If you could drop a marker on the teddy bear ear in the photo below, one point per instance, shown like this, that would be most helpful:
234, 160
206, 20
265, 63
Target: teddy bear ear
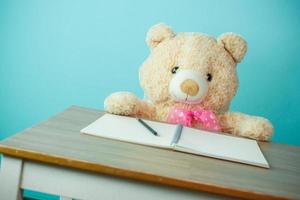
233, 44
158, 33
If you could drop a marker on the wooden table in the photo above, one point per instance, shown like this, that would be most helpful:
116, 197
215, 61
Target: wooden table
53, 157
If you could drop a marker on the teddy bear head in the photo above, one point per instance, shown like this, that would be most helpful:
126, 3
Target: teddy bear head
191, 68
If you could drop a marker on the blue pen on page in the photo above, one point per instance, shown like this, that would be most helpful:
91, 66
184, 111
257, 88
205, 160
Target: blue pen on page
147, 127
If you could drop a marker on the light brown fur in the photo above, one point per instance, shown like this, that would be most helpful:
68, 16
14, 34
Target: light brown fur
201, 53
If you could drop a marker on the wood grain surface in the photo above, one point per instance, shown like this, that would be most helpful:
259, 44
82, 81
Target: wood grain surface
58, 141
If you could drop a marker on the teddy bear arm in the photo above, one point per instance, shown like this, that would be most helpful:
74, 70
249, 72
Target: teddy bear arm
146, 110
126, 103
244, 125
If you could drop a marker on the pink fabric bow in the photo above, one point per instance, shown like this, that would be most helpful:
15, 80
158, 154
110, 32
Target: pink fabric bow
206, 118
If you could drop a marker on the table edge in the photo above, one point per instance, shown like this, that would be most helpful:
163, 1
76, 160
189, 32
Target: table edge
134, 175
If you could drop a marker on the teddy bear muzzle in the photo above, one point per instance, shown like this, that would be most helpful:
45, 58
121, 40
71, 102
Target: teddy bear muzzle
188, 86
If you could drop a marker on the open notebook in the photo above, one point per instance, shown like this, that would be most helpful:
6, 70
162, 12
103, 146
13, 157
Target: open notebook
178, 138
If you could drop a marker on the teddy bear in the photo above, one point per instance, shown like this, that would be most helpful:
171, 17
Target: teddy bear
190, 79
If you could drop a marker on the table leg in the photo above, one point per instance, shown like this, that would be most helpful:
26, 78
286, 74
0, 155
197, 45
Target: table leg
10, 178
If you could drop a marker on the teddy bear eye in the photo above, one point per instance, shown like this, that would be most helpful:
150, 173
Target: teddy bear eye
208, 77
174, 69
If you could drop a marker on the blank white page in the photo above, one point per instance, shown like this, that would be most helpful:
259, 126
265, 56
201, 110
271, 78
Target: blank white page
221, 146
129, 129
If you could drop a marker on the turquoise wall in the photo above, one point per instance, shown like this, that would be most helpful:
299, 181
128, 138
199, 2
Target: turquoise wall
54, 54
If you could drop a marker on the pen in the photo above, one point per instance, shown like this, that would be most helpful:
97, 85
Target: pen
147, 127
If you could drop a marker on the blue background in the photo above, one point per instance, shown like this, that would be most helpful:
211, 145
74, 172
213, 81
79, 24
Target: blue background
54, 54
57, 53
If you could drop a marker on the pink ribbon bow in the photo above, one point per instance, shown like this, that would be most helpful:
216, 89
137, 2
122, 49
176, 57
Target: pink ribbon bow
206, 118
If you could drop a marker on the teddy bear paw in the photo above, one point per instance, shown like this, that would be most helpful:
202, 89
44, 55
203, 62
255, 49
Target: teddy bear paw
257, 128
121, 103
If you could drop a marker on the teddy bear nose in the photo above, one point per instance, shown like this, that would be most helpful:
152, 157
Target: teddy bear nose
189, 87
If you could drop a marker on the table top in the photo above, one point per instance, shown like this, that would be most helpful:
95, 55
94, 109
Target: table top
58, 141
